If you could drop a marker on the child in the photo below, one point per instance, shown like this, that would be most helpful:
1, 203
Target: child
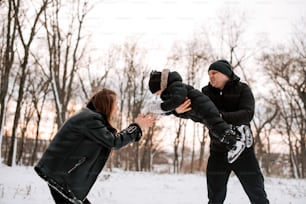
173, 92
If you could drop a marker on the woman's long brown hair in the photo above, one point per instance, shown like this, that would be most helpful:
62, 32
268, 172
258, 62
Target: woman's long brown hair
103, 101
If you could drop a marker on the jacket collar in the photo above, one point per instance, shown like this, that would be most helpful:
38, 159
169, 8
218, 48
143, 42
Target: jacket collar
104, 118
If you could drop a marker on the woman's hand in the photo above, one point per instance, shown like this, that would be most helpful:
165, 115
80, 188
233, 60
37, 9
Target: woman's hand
184, 107
145, 121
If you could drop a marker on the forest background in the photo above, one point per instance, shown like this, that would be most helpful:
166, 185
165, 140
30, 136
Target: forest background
55, 54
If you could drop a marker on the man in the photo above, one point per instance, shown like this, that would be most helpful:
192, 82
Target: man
235, 102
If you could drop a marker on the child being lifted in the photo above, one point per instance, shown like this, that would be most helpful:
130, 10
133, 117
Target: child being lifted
173, 92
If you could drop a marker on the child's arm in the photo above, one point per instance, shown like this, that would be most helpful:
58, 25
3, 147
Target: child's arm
175, 95
184, 107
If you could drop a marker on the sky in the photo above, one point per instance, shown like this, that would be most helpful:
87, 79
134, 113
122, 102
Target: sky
120, 187
160, 22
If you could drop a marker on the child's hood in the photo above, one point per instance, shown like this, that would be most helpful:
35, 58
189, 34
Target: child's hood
173, 77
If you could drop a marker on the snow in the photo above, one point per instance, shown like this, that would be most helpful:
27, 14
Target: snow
21, 185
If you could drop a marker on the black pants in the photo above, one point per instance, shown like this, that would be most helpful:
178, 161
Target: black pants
59, 199
247, 170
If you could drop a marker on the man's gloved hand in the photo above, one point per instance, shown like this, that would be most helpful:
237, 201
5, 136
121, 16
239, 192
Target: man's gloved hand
230, 138
153, 107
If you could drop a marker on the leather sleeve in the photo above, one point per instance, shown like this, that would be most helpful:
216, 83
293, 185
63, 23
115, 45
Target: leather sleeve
100, 133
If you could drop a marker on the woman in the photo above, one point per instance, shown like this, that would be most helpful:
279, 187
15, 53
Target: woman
80, 149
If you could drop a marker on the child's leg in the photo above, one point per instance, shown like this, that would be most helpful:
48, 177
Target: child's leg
210, 116
235, 140
205, 109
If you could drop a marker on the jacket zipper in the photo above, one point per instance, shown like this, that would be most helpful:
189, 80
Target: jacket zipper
81, 161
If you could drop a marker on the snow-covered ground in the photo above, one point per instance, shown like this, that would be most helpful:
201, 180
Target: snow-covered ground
21, 185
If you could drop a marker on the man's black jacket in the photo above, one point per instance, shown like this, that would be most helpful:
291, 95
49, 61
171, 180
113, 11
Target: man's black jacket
235, 102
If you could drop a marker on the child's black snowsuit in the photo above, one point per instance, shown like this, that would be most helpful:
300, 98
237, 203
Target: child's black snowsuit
203, 109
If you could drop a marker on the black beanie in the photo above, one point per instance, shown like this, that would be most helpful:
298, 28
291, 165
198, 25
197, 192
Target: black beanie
154, 81
222, 66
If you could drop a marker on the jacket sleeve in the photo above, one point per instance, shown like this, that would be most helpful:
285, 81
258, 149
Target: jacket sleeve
176, 95
101, 134
245, 111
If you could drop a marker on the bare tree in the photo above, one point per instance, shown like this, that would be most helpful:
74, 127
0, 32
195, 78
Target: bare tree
264, 122
176, 145
39, 90
65, 50
116, 156
191, 57
230, 41
195, 136
132, 86
97, 73
151, 145
202, 140
24, 124
299, 46
183, 147
8, 30
26, 44
287, 72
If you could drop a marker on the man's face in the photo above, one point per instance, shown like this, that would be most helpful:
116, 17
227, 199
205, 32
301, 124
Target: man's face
217, 79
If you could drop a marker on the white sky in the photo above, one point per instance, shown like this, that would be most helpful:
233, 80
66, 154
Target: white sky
157, 24
163, 21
